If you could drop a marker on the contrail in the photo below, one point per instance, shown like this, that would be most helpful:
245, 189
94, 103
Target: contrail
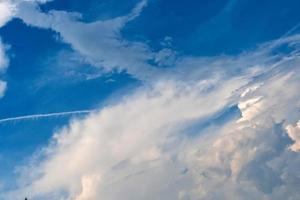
38, 116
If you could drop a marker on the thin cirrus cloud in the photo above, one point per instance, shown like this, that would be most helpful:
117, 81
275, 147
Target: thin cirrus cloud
138, 147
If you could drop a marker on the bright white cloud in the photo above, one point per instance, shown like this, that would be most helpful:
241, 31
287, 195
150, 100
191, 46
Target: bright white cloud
128, 141
294, 134
246, 159
7, 11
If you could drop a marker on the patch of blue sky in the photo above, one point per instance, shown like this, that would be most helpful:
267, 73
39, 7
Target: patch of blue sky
92, 10
214, 27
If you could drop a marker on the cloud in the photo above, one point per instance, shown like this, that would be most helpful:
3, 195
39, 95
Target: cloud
246, 159
130, 141
102, 45
294, 134
139, 147
7, 11
142, 142
100, 42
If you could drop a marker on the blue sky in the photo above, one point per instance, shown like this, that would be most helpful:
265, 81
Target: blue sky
170, 86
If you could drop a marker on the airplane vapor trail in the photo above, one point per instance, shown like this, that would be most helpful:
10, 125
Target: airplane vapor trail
38, 116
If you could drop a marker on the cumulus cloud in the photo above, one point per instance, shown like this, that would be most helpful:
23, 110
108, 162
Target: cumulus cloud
134, 139
139, 147
244, 159
294, 134
4, 61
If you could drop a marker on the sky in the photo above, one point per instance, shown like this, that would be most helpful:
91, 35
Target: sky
149, 99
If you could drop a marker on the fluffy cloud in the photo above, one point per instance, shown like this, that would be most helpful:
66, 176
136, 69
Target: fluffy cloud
294, 134
245, 159
127, 142
140, 147
7, 11
3, 58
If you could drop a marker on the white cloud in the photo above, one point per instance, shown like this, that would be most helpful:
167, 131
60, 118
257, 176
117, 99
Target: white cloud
100, 42
294, 134
7, 11
249, 159
141, 142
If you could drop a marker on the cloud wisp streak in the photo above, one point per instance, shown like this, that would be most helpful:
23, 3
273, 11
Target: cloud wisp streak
39, 116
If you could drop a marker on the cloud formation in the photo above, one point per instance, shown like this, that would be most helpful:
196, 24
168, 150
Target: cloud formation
100, 42
294, 134
7, 11
141, 146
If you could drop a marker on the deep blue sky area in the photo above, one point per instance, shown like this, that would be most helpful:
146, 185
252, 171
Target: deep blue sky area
42, 79
214, 27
